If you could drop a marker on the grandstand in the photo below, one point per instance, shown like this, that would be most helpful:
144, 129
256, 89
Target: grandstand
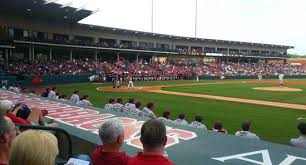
41, 39
27, 35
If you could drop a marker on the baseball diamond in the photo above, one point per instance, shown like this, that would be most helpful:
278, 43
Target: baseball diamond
133, 97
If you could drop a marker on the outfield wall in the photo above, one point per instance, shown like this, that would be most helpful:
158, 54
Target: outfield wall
65, 79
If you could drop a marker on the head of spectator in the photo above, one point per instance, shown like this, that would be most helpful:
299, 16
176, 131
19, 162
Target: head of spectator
120, 100
63, 96
166, 114
7, 135
131, 100
302, 128
218, 127
84, 97
181, 116
111, 101
112, 135
76, 92
138, 104
151, 105
246, 125
53, 88
199, 118
6, 106
153, 136
34, 147
48, 90
33, 91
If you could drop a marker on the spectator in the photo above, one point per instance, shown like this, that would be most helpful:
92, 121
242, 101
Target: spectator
46, 93
118, 106
149, 110
181, 119
33, 92
218, 127
22, 114
111, 133
165, 117
129, 106
110, 103
52, 93
136, 111
7, 135
85, 101
63, 97
153, 138
35, 148
300, 141
245, 133
198, 123
75, 98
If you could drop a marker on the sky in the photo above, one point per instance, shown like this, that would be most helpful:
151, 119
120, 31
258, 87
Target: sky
262, 21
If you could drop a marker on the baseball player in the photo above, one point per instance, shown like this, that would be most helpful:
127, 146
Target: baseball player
259, 76
130, 79
281, 79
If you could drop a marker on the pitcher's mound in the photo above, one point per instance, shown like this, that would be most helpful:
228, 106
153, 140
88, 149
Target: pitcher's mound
282, 89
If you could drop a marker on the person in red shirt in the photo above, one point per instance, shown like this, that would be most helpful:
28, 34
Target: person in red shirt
112, 136
7, 135
153, 138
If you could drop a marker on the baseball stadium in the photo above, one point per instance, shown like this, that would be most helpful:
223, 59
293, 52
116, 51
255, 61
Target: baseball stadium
215, 101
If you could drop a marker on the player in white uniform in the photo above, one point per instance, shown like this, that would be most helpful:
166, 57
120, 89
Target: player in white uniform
300, 141
129, 106
259, 76
130, 79
181, 119
245, 133
198, 123
281, 79
149, 110
165, 117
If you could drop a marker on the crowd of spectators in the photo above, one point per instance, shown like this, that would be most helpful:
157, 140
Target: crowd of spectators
155, 70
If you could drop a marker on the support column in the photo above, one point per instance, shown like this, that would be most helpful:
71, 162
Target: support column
50, 54
228, 51
70, 54
6, 55
227, 59
33, 53
30, 53
216, 50
96, 55
137, 57
202, 48
249, 60
238, 60
118, 56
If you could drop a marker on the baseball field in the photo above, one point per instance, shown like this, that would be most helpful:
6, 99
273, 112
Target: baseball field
273, 113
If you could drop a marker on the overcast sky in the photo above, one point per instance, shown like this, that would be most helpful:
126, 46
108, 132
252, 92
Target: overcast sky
264, 21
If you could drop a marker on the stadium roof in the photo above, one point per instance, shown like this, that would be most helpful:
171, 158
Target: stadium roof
172, 37
47, 10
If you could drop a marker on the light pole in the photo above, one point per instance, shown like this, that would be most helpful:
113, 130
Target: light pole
196, 18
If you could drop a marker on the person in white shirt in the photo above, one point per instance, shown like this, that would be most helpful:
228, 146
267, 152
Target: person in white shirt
52, 93
75, 98
198, 123
131, 84
84, 101
110, 103
149, 110
300, 141
218, 127
136, 111
181, 119
129, 106
118, 106
245, 133
165, 117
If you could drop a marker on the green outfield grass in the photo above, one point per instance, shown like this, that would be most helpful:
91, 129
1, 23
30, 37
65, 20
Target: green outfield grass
241, 90
270, 123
